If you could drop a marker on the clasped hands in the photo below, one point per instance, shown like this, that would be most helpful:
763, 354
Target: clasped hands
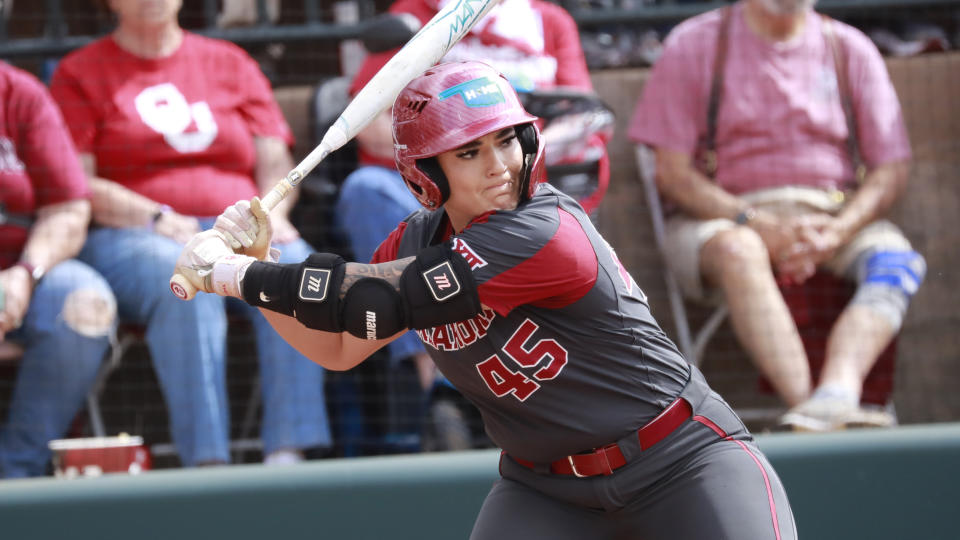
240, 235
799, 244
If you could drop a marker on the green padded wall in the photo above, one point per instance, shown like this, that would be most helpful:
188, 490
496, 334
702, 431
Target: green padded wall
878, 484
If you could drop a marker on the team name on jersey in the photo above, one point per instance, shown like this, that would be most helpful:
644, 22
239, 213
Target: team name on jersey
456, 336
474, 260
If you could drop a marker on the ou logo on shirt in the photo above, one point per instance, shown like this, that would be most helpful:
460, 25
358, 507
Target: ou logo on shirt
165, 110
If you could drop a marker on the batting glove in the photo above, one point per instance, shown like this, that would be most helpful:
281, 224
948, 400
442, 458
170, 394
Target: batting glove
198, 257
246, 227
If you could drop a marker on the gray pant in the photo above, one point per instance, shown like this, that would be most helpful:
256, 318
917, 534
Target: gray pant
695, 484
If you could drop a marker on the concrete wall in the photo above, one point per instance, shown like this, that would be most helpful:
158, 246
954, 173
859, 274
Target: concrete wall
928, 371
877, 484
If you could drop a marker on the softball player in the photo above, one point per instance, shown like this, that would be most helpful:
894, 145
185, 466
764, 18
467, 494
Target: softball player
606, 431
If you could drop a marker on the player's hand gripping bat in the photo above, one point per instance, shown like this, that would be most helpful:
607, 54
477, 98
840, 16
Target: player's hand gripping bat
423, 50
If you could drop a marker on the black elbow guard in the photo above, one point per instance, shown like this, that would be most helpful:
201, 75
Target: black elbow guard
438, 288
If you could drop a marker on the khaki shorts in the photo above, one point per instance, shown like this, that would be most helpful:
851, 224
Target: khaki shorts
685, 236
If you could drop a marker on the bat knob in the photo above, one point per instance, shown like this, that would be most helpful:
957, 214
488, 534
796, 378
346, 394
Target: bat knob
182, 288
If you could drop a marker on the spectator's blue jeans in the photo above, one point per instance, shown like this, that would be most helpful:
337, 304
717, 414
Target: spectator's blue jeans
60, 360
187, 343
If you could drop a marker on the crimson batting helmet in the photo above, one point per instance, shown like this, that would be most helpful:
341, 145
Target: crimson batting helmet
448, 106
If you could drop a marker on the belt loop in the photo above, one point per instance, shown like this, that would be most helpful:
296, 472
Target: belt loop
602, 452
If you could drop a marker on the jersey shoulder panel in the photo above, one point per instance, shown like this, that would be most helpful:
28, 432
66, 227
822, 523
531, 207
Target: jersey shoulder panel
538, 254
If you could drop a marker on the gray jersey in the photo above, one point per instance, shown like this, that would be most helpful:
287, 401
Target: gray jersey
567, 357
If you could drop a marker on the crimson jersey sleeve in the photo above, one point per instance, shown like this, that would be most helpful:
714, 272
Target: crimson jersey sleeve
387, 250
539, 256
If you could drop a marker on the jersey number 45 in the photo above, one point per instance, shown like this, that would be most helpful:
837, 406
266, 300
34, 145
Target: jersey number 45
546, 352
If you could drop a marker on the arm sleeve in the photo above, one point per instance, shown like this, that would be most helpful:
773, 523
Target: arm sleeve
880, 125
47, 151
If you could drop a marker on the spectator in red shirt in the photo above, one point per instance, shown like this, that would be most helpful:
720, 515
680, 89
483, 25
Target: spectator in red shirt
58, 311
172, 128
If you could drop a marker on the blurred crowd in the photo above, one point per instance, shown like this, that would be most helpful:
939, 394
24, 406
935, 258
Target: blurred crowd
141, 138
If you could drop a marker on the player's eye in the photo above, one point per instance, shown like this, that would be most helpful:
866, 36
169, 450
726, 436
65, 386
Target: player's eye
467, 154
508, 140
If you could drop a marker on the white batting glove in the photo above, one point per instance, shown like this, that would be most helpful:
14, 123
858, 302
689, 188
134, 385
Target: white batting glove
246, 227
197, 259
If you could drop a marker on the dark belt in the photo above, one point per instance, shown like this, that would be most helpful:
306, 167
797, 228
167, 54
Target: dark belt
606, 459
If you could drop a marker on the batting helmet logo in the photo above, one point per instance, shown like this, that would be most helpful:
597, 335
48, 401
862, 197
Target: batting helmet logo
481, 92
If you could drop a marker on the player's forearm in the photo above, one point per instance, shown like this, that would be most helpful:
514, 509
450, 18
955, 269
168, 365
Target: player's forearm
339, 350
880, 189
334, 351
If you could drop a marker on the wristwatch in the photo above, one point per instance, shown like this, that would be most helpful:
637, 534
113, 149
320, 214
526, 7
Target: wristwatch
155, 217
36, 272
746, 216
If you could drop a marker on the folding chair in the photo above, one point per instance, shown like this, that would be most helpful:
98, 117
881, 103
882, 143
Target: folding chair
692, 345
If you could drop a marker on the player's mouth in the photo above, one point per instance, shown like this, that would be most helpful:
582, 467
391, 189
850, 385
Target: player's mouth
503, 187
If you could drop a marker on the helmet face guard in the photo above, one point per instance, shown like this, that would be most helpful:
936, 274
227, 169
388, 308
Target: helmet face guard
448, 106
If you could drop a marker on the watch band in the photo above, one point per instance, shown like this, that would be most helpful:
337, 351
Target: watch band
36, 272
746, 216
155, 217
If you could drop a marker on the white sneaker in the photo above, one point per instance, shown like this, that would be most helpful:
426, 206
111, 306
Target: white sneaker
825, 414
284, 456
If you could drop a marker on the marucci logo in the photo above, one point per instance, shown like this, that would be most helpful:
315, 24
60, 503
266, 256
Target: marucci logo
313, 284
442, 281
371, 325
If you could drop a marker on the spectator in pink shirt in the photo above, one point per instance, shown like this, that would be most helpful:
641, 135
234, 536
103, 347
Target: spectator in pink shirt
791, 172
